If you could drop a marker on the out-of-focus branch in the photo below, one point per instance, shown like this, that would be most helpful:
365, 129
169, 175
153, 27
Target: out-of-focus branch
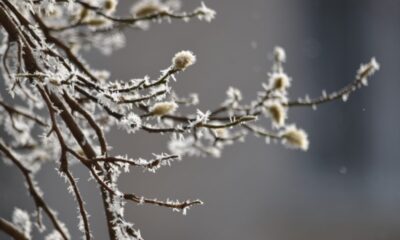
34, 191
12, 230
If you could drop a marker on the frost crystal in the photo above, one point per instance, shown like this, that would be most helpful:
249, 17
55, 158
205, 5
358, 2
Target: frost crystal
55, 235
182, 146
345, 97
205, 13
200, 118
21, 219
367, 70
131, 122
234, 94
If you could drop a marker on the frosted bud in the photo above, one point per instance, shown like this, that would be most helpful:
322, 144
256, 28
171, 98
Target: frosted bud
148, 7
279, 81
295, 138
276, 112
183, 59
163, 108
279, 54
110, 6
81, 15
97, 22
374, 64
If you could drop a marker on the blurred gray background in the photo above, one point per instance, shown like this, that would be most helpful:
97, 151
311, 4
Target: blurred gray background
347, 186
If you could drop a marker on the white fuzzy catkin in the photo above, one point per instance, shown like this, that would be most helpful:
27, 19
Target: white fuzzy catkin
148, 7
183, 59
110, 6
294, 137
163, 108
279, 54
276, 112
279, 81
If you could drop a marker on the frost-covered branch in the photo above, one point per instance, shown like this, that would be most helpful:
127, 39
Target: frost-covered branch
141, 12
175, 205
63, 108
12, 230
35, 192
365, 71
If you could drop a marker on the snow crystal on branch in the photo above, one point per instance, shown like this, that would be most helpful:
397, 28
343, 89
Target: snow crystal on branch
131, 122
21, 219
206, 13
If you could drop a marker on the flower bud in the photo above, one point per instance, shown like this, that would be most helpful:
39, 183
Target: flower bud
110, 6
183, 59
295, 138
276, 112
279, 81
163, 108
148, 7
279, 54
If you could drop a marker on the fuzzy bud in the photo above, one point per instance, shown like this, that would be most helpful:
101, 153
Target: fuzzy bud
183, 59
276, 112
148, 7
279, 54
97, 22
295, 138
110, 6
279, 81
163, 108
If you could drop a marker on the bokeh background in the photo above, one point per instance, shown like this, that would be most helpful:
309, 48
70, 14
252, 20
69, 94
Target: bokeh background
347, 186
